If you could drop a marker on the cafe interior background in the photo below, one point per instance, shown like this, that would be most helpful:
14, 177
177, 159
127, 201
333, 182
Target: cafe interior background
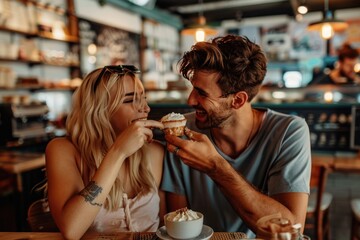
47, 46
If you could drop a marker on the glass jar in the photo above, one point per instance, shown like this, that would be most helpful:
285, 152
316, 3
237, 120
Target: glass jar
280, 229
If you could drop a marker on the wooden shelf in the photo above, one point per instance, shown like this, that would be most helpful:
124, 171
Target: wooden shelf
34, 88
67, 38
34, 62
61, 64
11, 30
41, 34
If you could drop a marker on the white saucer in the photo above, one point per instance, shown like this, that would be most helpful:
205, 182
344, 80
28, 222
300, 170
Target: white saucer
205, 234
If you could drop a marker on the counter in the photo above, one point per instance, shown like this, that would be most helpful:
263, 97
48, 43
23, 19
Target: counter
271, 94
118, 236
330, 124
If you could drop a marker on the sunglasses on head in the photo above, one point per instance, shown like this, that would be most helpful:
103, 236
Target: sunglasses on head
119, 69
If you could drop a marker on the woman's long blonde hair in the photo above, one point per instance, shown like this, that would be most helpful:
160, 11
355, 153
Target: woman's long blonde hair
89, 129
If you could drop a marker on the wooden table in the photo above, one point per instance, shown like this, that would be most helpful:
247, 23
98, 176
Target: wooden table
347, 163
118, 236
19, 163
338, 163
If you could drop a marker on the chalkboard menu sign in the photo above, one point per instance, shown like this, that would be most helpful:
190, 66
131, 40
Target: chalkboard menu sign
103, 45
355, 128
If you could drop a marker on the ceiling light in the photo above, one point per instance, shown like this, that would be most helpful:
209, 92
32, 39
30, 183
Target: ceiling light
302, 9
199, 30
140, 2
328, 25
144, 3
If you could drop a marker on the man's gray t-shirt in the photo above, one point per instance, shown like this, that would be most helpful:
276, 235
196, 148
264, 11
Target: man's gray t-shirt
277, 160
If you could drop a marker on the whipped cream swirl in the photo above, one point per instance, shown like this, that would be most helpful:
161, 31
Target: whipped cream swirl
182, 214
172, 117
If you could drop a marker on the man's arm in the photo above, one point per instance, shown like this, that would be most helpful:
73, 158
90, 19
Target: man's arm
250, 204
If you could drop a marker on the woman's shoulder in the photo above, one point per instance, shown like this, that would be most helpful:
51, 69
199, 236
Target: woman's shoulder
59, 142
60, 146
157, 148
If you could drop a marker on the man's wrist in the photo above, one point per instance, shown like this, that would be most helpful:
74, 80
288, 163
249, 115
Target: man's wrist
221, 167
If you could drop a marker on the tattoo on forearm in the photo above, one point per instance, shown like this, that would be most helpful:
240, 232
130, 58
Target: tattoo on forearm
90, 192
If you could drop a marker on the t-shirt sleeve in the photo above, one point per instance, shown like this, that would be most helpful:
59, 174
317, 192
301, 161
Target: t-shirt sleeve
291, 169
172, 180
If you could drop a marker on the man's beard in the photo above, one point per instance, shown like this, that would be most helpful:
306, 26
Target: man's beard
214, 120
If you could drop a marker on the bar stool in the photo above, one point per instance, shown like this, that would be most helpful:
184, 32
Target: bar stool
355, 221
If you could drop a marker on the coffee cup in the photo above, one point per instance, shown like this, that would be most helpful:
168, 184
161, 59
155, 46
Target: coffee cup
183, 229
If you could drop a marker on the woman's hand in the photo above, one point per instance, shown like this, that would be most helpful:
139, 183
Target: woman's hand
135, 135
198, 152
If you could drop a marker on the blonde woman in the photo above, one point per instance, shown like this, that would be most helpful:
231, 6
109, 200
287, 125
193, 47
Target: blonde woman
104, 176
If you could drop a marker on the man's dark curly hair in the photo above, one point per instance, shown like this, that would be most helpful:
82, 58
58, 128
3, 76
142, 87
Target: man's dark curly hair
240, 62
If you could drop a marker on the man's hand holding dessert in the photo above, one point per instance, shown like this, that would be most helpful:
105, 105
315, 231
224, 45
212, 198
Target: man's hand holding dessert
196, 151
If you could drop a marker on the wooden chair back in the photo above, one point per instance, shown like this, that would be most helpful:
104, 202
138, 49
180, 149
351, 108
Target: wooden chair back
355, 219
40, 218
317, 217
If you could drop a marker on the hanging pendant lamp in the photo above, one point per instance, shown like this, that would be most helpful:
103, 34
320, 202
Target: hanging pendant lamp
199, 30
328, 25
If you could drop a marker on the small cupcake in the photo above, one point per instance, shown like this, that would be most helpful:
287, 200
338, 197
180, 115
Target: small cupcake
174, 124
